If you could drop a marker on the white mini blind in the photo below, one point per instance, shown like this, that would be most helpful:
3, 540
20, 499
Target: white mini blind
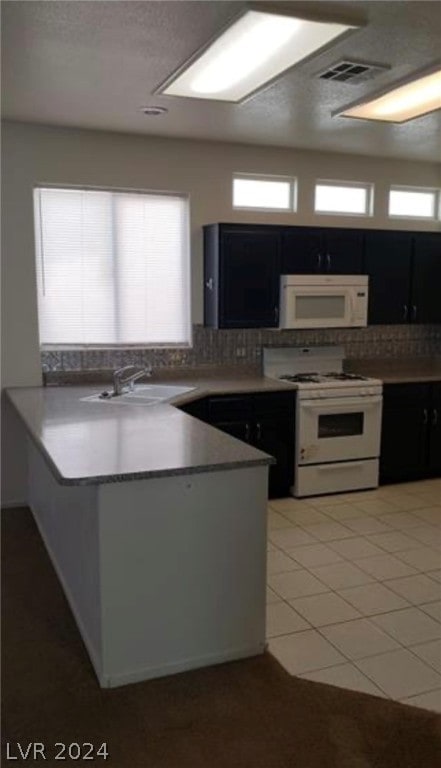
112, 267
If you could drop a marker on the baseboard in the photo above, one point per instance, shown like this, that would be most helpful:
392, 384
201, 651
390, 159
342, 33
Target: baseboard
14, 504
184, 665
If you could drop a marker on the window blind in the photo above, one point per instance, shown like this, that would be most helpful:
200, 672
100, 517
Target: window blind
112, 267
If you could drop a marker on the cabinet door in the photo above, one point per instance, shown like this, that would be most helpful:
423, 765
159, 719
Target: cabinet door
249, 276
343, 251
404, 434
435, 431
387, 262
272, 436
426, 281
239, 429
302, 250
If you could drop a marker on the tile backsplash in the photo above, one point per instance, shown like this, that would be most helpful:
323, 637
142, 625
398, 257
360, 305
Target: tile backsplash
244, 347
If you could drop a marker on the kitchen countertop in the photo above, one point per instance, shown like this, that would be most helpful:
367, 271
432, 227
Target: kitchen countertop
91, 443
397, 370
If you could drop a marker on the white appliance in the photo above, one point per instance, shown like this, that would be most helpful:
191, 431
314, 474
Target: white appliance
338, 419
323, 301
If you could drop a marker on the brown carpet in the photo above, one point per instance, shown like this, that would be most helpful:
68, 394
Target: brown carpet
247, 714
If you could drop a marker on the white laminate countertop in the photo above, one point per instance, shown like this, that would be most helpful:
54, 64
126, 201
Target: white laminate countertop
92, 443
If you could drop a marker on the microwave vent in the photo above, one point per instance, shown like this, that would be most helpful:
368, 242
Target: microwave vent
349, 71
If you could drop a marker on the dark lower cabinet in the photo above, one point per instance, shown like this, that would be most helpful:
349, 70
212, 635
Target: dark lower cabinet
266, 421
426, 278
411, 433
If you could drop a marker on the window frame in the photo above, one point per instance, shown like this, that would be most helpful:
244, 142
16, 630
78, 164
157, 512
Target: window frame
293, 188
436, 212
368, 186
78, 347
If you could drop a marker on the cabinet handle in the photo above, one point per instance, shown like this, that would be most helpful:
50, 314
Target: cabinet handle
405, 311
434, 417
258, 430
414, 311
319, 262
210, 284
276, 313
328, 262
425, 416
247, 432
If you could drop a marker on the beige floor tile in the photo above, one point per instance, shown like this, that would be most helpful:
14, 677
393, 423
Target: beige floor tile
359, 638
431, 514
304, 652
279, 562
401, 521
288, 504
276, 521
305, 516
395, 541
399, 673
329, 531
344, 676
409, 626
272, 597
372, 599
314, 555
385, 567
367, 525
321, 610
296, 584
376, 506
430, 653
434, 575
293, 536
421, 558
355, 548
283, 620
430, 535
431, 700
405, 502
432, 609
416, 589
341, 575
342, 512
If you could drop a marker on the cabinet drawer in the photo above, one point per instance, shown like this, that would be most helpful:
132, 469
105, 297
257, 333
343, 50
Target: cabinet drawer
244, 406
401, 394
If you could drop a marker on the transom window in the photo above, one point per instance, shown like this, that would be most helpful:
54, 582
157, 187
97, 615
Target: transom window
113, 268
413, 203
275, 193
343, 197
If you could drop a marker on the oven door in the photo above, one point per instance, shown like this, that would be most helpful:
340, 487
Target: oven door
338, 429
307, 306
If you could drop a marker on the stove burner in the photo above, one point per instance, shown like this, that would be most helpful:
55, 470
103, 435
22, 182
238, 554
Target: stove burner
317, 378
344, 376
302, 377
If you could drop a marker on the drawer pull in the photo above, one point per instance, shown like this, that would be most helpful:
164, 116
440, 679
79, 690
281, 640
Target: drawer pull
434, 417
425, 416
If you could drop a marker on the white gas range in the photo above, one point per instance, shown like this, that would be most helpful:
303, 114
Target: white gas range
338, 419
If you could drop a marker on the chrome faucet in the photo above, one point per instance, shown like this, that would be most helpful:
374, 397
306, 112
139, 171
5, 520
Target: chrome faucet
122, 381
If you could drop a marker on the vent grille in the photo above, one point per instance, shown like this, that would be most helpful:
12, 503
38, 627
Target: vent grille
347, 71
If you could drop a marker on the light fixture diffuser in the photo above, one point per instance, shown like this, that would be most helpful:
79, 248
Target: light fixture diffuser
252, 51
404, 102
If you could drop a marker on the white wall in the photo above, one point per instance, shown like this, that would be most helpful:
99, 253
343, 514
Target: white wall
38, 154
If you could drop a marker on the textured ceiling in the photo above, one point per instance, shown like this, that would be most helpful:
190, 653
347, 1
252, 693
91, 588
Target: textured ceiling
94, 64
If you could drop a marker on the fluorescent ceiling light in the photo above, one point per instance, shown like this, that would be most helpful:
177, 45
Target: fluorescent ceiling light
402, 103
255, 49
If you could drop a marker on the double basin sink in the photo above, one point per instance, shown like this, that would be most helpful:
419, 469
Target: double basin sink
141, 394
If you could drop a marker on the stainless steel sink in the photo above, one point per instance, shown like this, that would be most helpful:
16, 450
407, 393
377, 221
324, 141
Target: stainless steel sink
143, 394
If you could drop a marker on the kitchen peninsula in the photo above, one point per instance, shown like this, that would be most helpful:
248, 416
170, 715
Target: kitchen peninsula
156, 525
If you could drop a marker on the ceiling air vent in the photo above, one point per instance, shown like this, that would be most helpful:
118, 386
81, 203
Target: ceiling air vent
347, 71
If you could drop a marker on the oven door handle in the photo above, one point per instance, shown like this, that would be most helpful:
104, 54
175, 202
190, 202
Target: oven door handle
334, 466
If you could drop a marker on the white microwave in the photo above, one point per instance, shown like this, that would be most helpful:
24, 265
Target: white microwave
323, 301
